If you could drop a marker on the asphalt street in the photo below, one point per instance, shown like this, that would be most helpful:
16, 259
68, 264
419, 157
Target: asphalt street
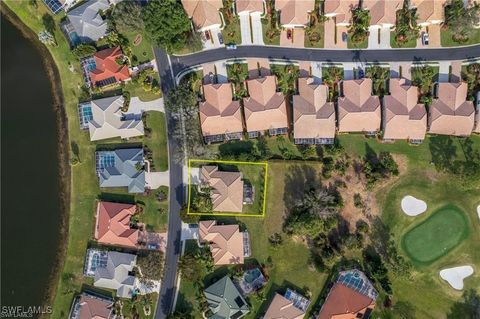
180, 63
168, 287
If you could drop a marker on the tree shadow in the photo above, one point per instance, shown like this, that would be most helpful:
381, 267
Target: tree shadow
468, 308
117, 198
443, 152
234, 149
298, 179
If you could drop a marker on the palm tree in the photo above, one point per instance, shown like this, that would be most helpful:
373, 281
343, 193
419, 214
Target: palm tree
471, 75
423, 78
287, 78
331, 78
379, 78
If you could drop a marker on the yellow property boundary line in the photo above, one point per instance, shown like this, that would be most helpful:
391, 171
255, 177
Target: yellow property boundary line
265, 164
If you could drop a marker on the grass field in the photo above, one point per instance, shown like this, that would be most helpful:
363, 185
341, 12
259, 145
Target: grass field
411, 43
437, 236
275, 40
231, 33
447, 40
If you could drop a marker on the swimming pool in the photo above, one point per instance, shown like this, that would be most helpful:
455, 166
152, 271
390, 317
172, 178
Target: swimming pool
252, 275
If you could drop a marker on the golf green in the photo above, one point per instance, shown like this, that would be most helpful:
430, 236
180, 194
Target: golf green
437, 235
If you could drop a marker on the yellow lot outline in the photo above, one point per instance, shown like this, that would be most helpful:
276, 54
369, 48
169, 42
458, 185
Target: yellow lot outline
265, 164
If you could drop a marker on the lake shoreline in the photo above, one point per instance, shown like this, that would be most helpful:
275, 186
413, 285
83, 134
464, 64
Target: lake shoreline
63, 154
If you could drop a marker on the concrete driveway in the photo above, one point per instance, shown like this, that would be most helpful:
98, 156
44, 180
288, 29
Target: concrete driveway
221, 68
444, 71
154, 180
213, 42
373, 38
257, 28
137, 107
434, 38
385, 38
317, 71
245, 28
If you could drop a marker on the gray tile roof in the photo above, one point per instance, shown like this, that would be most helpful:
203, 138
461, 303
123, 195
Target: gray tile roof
87, 22
115, 275
225, 301
122, 172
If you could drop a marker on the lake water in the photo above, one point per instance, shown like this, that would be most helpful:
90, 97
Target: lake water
30, 205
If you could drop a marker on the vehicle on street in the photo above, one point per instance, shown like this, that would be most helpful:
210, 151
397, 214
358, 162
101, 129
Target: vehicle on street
231, 46
425, 38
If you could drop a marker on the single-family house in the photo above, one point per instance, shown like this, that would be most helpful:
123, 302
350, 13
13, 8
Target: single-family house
358, 110
225, 301
249, 6
450, 113
116, 274
340, 11
226, 242
106, 119
220, 115
87, 306
226, 188
429, 11
121, 168
265, 108
57, 5
108, 68
113, 224
313, 115
403, 117
383, 13
205, 14
289, 306
294, 13
352, 296
87, 20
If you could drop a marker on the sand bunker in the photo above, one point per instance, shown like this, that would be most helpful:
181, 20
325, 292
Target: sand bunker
454, 276
412, 206
478, 211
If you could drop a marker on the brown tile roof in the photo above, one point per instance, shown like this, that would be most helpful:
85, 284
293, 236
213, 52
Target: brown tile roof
225, 241
227, 188
382, 11
249, 5
358, 110
429, 10
282, 308
404, 117
341, 8
451, 113
294, 11
219, 114
264, 108
94, 308
313, 116
113, 224
258, 68
344, 303
204, 13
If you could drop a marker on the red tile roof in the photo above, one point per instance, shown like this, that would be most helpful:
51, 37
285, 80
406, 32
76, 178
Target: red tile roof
107, 66
113, 224
345, 303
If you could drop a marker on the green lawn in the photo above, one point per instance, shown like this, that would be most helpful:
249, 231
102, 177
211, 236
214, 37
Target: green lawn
447, 40
137, 90
157, 142
84, 187
437, 236
361, 45
316, 30
266, 28
142, 50
411, 43
231, 33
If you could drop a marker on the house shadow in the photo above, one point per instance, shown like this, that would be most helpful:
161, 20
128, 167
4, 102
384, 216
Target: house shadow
117, 198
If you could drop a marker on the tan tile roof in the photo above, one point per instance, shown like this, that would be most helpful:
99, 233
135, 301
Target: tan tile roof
258, 68
344, 303
429, 10
225, 241
294, 11
227, 188
342, 9
404, 117
382, 11
451, 113
203, 13
313, 116
249, 5
113, 224
219, 114
282, 308
358, 110
264, 108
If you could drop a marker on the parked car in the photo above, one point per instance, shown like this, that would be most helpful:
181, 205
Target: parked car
289, 34
231, 46
361, 74
425, 38
207, 35
344, 36
220, 38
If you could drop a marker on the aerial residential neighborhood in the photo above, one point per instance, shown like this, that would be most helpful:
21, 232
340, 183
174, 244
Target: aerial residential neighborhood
226, 159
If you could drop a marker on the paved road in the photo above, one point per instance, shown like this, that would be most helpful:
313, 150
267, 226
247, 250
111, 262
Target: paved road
168, 289
179, 63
